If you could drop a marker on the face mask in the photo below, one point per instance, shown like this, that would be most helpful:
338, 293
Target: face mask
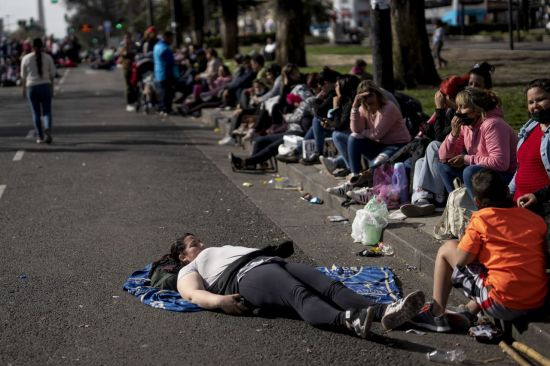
541, 115
464, 119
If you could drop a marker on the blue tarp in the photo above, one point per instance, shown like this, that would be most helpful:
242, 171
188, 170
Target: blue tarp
377, 283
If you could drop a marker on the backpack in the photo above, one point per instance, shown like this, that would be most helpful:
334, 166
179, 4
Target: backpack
456, 215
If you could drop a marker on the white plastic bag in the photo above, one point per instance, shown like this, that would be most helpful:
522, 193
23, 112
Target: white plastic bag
369, 222
290, 143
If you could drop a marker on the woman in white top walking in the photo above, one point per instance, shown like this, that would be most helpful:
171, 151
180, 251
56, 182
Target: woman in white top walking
437, 44
37, 74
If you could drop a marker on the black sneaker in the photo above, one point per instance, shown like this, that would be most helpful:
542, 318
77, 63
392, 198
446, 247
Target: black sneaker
459, 317
47, 136
401, 311
311, 161
425, 319
288, 158
417, 210
360, 321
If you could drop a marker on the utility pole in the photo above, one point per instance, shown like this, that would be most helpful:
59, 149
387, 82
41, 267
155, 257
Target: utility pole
382, 44
150, 13
41, 20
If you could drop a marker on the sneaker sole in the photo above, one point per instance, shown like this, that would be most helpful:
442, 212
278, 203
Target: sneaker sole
433, 328
411, 210
411, 305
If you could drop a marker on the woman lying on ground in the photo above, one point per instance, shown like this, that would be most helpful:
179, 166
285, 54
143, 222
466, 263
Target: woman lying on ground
236, 280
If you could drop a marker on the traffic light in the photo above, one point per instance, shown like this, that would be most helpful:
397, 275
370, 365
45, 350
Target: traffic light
54, 1
119, 24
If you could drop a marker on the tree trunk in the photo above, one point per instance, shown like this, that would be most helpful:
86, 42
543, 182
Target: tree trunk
230, 29
412, 57
382, 48
290, 34
197, 33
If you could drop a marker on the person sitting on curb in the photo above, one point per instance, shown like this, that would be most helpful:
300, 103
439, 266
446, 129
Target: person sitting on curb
237, 279
499, 263
479, 138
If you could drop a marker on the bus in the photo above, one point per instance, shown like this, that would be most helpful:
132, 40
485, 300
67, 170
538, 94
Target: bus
449, 11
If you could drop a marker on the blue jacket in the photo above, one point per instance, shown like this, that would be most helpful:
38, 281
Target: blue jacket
544, 148
164, 61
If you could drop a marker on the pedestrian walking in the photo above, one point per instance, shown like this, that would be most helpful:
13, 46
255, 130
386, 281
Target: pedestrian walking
37, 75
437, 44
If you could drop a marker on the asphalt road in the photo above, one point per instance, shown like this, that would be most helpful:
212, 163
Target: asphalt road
111, 193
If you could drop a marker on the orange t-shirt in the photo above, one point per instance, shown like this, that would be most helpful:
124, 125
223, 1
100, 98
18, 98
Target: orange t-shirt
510, 243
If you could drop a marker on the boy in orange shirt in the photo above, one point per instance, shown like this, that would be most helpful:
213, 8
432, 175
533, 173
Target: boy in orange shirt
499, 263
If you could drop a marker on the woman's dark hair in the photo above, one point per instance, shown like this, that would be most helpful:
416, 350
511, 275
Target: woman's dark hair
171, 262
329, 75
348, 87
543, 84
312, 80
360, 63
37, 46
274, 69
490, 190
484, 70
226, 70
212, 51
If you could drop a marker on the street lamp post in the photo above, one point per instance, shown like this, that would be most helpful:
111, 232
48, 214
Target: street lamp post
510, 24
150, 13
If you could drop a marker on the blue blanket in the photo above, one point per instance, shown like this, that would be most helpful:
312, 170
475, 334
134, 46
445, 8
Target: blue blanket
377, 283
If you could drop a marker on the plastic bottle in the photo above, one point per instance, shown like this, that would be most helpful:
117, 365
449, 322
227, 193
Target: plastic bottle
386, 249
400, 181
447, 356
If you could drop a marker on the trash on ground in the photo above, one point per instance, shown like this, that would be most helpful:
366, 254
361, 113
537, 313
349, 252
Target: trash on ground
397, 215
316, 200
284, 183
369, 222
386, 249
217, 130
410, 267
22, 276
247, 184
337, 218
371, 252
414, 331
306, 197
446, 356
486, 333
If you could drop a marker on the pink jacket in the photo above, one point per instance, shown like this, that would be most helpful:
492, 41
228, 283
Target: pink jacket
492, 144
385, 126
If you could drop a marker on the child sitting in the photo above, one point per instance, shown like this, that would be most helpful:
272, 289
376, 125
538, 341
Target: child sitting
499, 263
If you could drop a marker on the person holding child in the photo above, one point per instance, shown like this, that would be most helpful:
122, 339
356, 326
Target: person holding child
479, 138
499, 263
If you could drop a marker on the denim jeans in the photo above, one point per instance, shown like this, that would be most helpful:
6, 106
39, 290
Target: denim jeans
427, 178
318, 133
165, 91
340, 140
40, 97
448, 174
374, 151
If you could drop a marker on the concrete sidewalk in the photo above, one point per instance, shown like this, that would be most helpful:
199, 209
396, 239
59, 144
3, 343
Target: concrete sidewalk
411, 238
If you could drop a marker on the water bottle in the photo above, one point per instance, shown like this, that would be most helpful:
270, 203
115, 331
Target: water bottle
400, 181
446, 356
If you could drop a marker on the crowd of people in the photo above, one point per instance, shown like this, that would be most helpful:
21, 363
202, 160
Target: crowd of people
65, 53
500, 262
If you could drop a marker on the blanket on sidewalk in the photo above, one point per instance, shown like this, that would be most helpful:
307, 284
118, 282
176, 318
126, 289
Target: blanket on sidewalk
377, 283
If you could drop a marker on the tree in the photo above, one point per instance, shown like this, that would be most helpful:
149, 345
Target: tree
197, 32
290, 33
412, 58
230, 29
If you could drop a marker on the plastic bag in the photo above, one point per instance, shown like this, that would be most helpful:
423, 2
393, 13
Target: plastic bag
290, 143
391, 184
369, 222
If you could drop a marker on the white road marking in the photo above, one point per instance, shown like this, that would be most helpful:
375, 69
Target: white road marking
30, 134
2, 189
19, 155
65, 73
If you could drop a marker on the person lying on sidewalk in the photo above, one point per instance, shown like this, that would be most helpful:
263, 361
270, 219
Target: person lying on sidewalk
236, 279
499, 263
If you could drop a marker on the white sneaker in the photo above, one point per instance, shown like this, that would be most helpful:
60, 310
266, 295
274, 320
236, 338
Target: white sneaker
402, 311
130, 108
340, 190
329, 164
362, 195
227, 140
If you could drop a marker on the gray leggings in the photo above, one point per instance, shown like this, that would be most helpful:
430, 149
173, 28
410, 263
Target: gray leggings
317, 299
